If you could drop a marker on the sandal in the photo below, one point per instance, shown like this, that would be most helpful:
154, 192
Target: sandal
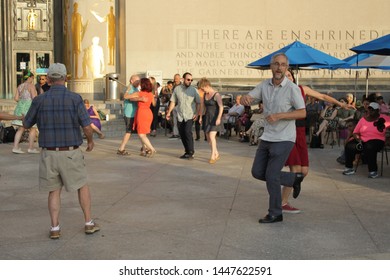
150, 154
122, 153
144, 152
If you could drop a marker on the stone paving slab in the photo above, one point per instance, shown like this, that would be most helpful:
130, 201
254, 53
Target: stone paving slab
168, 208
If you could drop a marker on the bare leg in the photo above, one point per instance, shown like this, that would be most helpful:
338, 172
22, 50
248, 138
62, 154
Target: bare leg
85, 202
97, 130
125, 139
54, 204
145, 142
323, 125
18, 135
213, 144
31, 138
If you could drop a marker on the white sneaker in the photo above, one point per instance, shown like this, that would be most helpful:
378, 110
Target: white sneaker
33, 151
17, 151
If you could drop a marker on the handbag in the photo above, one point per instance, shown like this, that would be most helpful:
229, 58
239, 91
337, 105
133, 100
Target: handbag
101, 114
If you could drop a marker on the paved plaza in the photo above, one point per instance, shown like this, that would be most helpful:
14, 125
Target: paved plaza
169, 208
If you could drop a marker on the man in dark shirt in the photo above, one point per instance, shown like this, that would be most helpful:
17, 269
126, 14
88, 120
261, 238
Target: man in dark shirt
59, 113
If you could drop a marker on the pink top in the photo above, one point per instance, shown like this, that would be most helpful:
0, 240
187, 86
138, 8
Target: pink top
368, 131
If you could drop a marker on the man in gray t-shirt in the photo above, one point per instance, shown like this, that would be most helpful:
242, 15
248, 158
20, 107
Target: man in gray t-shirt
187, 99
283, 104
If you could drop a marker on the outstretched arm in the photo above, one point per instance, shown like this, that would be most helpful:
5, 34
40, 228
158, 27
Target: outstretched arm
325, 97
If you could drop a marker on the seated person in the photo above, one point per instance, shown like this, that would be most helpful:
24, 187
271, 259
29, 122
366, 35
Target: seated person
383, 107
369, 138
232, 115
95, 120
327, 120
244, 122
343, 115
362, 110
313, 111
257, 127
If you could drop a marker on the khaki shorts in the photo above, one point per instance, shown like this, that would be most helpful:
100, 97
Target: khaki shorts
59, 169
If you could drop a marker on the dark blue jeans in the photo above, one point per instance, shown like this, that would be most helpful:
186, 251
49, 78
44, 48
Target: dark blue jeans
267, 166
185, 131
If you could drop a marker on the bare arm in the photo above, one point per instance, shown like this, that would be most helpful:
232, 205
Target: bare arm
9, 117
171, 106
220, 105
296, 114
16, 97
96, 116
246, 100
201, 109
325, 97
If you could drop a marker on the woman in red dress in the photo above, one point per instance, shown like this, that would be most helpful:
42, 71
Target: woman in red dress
144, 116
298, 160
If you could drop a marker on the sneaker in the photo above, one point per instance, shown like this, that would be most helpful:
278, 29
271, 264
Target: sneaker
55, 234
33, 151
17, 151
90, 229
373, 175
349, 171
290, 209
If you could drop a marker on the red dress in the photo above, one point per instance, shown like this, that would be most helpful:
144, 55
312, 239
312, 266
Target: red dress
299, 154
144, 116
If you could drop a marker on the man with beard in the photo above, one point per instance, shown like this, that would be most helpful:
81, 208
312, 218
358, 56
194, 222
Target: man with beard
283, 104
188, 107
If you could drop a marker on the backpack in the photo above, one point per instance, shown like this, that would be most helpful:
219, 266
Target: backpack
7, 134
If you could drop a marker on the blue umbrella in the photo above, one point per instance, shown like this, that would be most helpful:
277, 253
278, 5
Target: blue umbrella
365, 61
299, 55
379, 46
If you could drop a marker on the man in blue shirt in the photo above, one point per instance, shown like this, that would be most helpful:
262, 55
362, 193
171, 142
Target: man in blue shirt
59, 113
129, 109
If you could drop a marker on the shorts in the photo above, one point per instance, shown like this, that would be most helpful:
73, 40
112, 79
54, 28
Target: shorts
129, 122
59, 169
299, 154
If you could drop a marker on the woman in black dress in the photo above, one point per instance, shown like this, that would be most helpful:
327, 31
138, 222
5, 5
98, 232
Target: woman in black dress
213, 107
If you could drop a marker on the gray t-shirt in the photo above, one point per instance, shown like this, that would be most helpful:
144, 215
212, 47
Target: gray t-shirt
285, 97
185, 99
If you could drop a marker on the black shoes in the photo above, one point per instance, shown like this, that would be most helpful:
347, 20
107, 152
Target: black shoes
297, 184
187, 156
271, 219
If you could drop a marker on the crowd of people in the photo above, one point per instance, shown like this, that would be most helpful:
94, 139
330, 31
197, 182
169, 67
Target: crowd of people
288, 117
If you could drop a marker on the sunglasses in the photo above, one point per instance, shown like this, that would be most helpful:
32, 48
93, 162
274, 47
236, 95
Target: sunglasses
189, 80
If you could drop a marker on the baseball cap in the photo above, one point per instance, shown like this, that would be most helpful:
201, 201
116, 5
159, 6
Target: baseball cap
374, 105
57, 70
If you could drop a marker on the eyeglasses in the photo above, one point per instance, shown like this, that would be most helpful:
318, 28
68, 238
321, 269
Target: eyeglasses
277, 65
189, 80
